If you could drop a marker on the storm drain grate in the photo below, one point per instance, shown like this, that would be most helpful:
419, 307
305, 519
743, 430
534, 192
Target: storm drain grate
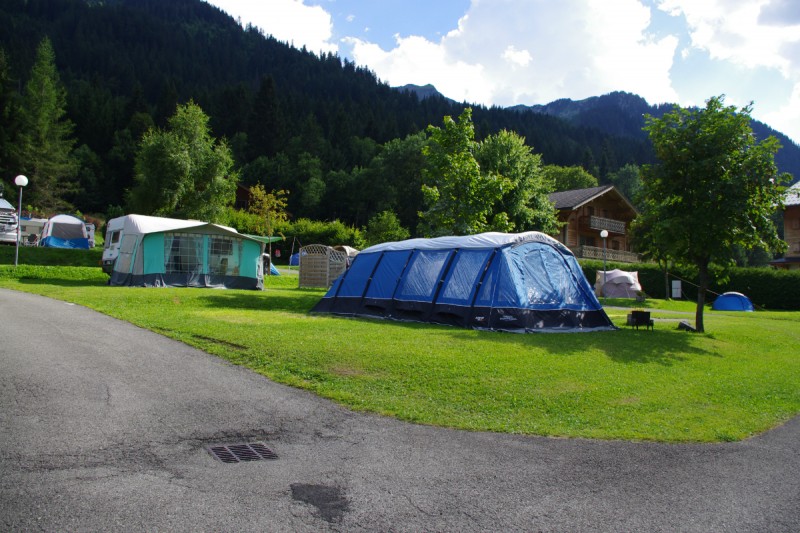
237, 453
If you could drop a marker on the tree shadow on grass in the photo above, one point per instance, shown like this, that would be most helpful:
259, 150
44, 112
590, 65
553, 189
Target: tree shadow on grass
298, 301
62, 282
625, 345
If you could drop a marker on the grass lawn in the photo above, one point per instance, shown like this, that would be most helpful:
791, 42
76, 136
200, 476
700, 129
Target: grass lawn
739, 379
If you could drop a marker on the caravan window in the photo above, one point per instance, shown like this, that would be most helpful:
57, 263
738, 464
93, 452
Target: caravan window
113, 238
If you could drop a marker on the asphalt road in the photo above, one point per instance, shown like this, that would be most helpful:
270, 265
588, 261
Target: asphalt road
107, 427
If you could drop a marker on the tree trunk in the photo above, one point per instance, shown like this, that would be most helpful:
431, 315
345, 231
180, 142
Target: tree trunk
667, 293
702, 286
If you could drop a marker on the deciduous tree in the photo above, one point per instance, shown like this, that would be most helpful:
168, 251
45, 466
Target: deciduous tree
568, 178
269, 207
384, 227
714, 188
458, 198
524, 201
183, 171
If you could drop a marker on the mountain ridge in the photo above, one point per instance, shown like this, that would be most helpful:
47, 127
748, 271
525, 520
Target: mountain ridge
621, 114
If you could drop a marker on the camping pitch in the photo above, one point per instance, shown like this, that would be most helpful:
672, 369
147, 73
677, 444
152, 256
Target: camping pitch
523, 282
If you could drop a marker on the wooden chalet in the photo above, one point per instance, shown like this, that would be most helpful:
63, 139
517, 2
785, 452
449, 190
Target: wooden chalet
586, 212
791, 230
242, 197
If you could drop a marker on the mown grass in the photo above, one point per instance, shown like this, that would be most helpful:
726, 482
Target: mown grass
741, 378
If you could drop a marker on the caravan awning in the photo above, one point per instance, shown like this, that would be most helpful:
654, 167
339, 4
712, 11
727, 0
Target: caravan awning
265, 240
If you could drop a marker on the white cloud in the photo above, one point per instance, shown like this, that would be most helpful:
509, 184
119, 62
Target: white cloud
753, 34
419, 61
743, 32
534, 51
290, 21
520, 58
787, 117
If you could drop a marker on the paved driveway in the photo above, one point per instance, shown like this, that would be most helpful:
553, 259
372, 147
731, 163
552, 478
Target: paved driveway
105, 426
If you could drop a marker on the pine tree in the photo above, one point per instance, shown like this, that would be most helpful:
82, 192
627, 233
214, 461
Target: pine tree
9, 118
44, 146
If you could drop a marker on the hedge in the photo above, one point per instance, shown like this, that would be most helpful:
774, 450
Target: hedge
767, 288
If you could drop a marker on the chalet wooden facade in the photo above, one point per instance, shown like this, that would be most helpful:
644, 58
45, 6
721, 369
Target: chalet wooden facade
586, 212
791, 230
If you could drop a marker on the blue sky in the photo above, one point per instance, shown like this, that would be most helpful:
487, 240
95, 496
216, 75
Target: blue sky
508, 52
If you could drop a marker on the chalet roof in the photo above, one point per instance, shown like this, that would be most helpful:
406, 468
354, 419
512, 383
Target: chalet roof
578, 197
792, 196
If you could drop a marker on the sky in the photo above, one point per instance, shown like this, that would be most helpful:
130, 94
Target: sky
509, 52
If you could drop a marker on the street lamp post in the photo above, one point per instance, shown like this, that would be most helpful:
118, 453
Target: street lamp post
604, 235
20, 181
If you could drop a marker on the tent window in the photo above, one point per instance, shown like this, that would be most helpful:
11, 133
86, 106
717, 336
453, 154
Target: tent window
464, 274
123, 263
423, 274
384, 282
220, 252
68, 231
221, 246
182, 253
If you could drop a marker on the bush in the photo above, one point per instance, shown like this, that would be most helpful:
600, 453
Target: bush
328, 233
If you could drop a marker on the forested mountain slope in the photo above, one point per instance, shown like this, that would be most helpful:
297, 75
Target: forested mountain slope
293, 119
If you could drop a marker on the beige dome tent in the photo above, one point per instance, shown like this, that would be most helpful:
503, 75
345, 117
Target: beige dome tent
617, 284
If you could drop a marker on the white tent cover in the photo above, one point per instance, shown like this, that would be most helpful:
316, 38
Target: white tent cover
618, 284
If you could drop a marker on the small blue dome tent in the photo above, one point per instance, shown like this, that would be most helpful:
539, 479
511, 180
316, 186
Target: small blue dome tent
732, 301
521, 282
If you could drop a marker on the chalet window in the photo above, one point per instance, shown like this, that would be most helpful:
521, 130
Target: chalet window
796, 223
590, 210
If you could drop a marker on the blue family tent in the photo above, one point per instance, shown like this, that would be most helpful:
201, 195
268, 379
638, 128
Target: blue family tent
732, 301
522, 282
64, 231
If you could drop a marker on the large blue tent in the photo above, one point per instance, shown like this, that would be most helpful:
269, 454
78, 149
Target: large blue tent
520, 282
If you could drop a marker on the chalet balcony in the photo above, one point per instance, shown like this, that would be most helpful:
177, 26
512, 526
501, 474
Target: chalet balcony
613, 226
616, 256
